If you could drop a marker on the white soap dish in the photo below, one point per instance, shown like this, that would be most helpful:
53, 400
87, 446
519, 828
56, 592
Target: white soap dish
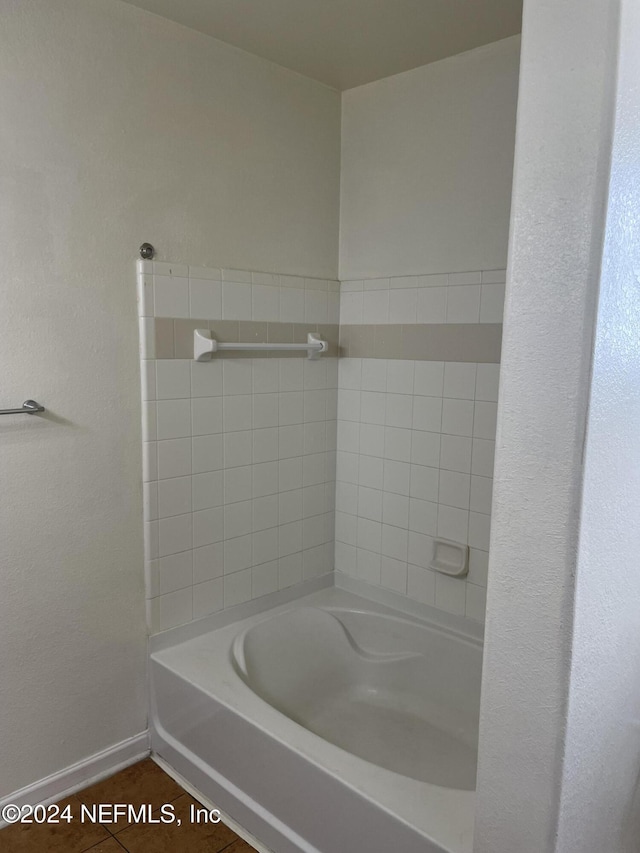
450, 558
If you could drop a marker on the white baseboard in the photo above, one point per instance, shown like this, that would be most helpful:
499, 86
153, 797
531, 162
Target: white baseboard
81, 775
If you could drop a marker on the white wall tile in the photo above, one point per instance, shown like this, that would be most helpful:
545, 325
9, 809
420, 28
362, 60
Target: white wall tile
208, 597
237, 414
425, 448
368, 566
290, 409
175, 572
428, 413
455, 453
265, 546
450, 594
372, 439
428, 378
395, 510
175, 608
371, 472
238, 519
479, 526
237, 588
236, 301
453, 524
420, 549
315, 306
421, 585
207, 453
173, 379
265, 375
208, 527
206, 415
424, 483
484, 421
237, 484
400, 376
459, 380
370, 504
265, 479
393, 575
205, 300
403, 305
174, 534
375, 306
399, 410
487, 382
395, 542
238, 555
351, 304
483, 457
207, 490
265, 303
237, 447
492, 303
374, 374
289, 570
265, 512
290, 474
432, 305
423, 517
373, 407
264, 579
206, 379
397, 477
457, 417
174, 497
463, 304
397, 444
454, 489
171, 296
481, 494
174, 419
174, 458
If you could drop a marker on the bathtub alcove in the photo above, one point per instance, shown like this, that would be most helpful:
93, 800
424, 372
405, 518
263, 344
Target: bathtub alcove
325, 724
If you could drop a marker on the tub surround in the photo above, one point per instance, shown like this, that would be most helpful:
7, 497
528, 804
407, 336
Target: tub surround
262, 472
239, 453
417, 399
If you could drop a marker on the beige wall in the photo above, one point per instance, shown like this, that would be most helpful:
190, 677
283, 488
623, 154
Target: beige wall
117, 127
426, 167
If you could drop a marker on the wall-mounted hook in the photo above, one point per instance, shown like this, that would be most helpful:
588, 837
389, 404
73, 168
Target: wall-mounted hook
147, 251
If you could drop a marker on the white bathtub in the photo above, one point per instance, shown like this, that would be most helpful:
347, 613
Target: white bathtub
329, 724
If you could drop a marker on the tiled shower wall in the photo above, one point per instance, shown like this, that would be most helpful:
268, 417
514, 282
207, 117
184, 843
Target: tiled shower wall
418, 385
239, 453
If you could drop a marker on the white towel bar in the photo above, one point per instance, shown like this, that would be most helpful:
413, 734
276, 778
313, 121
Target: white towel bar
205, 345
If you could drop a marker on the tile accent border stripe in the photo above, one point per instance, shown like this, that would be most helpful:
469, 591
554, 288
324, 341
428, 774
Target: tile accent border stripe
172, 337
465, 342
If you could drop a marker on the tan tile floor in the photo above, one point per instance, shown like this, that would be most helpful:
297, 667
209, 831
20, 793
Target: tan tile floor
141, 783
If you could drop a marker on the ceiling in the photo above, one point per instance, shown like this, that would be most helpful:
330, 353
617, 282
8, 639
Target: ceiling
346, 43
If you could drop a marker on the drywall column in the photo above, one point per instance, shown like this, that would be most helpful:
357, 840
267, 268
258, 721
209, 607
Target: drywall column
560, 754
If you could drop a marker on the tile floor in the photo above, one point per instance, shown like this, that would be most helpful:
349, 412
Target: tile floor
141, 783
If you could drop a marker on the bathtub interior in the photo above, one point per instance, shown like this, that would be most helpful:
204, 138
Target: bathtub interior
392, 692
